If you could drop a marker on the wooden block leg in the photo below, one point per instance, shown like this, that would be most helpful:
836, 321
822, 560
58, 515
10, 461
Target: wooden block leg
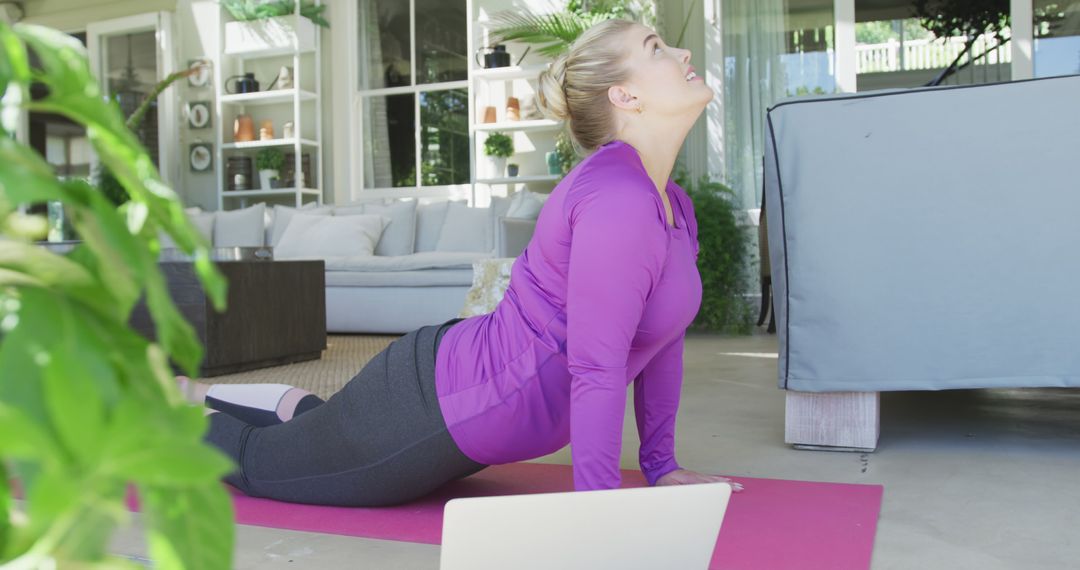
836, 421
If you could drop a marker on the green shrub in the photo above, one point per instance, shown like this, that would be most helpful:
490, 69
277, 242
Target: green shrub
87, 405
269, 159
499, 144
723, 259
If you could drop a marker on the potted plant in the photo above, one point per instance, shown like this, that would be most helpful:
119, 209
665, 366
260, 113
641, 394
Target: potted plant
498, 147
511, 170
89, 408
269, 162
262, 25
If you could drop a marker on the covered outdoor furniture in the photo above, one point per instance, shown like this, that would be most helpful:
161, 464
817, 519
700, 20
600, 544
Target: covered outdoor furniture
923, 239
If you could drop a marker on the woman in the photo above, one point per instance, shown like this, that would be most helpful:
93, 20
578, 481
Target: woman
602, 296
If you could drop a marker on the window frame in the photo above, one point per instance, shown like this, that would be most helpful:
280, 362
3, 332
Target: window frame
415, 89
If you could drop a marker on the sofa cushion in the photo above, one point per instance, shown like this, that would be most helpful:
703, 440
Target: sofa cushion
429, 223
399, 237
284, 214
416, 261
465, 229
240, 228
314, 236
499, 207
526, 204
419, 278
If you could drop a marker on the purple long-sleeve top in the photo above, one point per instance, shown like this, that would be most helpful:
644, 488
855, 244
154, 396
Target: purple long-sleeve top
602, 296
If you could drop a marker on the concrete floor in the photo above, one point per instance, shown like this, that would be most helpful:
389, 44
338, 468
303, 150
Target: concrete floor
979, 479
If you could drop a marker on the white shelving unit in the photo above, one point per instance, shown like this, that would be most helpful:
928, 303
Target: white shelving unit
284, 41
533, 137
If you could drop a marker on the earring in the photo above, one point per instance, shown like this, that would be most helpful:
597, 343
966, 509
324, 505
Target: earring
640, 108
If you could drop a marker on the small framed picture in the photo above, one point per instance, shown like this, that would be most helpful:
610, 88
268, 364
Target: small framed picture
201, 78
199, 114
201, 157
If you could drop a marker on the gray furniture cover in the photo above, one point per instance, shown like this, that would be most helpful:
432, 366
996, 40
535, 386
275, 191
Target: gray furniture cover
927, 239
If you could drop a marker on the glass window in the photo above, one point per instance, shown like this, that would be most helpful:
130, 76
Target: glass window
392, 92
130, 73
60, 140
1057, 38
441, 41
385, 44
772, 50
444, 137
389, 141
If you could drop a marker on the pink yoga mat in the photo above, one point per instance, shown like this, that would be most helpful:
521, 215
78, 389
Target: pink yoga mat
773, 525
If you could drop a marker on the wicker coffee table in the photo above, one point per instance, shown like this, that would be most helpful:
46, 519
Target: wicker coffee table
275, 314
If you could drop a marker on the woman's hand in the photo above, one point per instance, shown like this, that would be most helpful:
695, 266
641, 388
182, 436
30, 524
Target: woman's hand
687, 477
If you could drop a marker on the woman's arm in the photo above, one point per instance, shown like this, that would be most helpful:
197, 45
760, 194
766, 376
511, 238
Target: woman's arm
656, 402
616, 256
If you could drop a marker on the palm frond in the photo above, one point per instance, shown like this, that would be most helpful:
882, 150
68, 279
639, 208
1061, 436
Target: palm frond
551, 33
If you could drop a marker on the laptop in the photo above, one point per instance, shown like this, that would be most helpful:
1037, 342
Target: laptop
647, 528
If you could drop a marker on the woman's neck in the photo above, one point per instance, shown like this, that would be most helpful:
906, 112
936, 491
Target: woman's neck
658, 149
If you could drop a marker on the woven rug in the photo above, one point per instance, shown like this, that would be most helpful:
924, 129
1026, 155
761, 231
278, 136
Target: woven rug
344, 356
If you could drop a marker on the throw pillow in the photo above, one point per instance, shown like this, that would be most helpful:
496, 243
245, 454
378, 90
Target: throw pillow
203, 222
465, 229
526, 204
240, 228
284, 214
429, 223
315, 236
399, 237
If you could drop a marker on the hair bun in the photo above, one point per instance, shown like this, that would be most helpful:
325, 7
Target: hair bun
551, 92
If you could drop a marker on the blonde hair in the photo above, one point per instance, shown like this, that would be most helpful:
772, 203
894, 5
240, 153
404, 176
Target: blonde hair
575, 87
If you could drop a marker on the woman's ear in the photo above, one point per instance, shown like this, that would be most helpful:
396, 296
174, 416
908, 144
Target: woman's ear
622, 98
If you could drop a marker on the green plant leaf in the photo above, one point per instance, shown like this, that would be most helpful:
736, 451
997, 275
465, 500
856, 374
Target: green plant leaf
22, 437
6, 507
160, 445
76, 382
189, 528
552, 33
73, 92
14, 80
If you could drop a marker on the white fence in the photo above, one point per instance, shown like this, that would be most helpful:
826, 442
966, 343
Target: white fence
916, 55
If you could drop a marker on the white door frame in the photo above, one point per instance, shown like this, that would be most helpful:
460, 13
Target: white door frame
165, 36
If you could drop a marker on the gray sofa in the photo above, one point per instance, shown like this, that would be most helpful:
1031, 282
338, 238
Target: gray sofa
922, 239
421, 267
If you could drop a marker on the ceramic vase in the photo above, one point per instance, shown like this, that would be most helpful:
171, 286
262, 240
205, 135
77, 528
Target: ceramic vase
243, 128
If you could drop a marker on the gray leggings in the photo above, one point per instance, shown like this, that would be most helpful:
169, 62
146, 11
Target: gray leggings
379, 441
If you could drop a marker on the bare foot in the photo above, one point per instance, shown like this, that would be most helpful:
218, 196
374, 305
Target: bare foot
194, 392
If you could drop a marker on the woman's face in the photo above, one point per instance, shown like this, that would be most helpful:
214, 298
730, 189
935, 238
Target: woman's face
661, 77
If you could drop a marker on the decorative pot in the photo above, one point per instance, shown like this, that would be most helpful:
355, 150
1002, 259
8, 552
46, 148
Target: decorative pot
552, 159
497, 166
265, 177
266, 130
279, 34
511, 170
243, 128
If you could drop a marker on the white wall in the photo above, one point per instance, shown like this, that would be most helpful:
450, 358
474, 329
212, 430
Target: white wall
72, 15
